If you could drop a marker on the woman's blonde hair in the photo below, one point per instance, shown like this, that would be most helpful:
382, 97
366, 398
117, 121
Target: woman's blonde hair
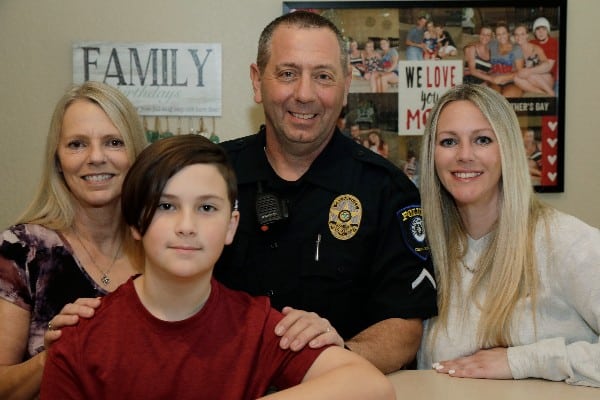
53, 205
508, 265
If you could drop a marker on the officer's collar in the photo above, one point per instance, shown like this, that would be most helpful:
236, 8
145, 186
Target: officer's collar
253, 159
327, 169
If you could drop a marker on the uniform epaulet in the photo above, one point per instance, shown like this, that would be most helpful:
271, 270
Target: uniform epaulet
234, 146
367, 156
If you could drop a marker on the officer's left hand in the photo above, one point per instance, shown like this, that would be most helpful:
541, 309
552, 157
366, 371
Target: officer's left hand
297, 328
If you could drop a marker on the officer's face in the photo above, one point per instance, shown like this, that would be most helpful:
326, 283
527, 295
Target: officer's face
303, 87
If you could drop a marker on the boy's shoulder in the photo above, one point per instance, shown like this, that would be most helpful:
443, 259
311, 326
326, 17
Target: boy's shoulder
108, 318
241, 299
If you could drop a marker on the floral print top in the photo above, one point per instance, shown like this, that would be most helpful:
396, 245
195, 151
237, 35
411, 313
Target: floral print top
40, 273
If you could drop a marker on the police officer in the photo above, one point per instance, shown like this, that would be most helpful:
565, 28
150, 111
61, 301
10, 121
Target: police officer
326, 225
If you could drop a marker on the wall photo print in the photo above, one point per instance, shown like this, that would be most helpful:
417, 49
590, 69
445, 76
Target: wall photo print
405, 54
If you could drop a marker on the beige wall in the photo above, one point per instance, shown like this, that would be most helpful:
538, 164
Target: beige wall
35, 68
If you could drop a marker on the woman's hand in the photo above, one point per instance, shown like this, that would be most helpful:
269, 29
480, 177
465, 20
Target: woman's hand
488, 364
68, 316
297, 328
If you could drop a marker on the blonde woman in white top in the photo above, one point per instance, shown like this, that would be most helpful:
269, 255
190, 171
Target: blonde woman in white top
518, 292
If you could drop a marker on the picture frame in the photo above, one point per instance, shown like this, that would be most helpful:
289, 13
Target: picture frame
397, 109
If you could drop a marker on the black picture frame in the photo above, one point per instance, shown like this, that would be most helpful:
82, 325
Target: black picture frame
541, 115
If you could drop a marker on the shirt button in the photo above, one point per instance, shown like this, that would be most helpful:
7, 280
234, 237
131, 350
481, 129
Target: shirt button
270, 292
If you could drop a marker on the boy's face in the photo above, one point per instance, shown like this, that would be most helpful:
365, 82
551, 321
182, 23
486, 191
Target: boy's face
192, 223
541, 33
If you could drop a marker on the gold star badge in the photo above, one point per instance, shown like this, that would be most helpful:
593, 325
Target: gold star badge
345, 214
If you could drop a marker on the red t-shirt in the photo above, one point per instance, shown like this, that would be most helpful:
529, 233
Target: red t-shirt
226, 351
551, 50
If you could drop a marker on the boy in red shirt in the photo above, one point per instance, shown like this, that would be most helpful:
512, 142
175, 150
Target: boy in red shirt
175, 332
541, 31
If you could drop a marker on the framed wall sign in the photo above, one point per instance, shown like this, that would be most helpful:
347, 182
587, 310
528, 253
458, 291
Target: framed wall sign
405, 54
160, 79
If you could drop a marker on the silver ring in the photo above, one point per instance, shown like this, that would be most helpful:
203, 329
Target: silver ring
50, 328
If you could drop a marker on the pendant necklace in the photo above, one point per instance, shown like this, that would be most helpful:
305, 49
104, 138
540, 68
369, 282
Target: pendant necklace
469, 268
104, 278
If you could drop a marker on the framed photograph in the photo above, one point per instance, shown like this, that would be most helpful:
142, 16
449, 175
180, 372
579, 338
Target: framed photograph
406, 54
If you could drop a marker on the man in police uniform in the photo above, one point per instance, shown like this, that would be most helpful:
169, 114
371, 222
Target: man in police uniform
326, 225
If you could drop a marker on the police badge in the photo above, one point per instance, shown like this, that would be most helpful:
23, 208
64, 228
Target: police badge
345, 214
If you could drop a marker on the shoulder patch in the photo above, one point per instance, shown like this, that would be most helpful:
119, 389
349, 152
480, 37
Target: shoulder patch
413, 231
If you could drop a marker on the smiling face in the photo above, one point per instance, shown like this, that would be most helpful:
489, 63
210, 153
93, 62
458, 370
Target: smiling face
485, 35
541, 34
91, 155
374, 138
303, 87
192, 223
521, 36
528, 137
467, 156
502, 35
384, 44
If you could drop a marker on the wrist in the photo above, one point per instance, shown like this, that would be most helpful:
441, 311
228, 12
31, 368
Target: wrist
42, 358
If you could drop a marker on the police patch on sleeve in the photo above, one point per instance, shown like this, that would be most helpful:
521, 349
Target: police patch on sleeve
413, 231
345, 214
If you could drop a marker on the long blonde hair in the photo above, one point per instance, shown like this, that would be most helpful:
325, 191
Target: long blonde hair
53, 205
509, 260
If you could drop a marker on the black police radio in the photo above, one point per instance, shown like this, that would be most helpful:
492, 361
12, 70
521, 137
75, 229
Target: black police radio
270, 209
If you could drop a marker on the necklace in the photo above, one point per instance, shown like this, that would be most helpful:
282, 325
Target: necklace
469, 268
104, 279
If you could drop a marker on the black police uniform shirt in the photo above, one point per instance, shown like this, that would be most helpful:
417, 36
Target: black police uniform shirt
352, 247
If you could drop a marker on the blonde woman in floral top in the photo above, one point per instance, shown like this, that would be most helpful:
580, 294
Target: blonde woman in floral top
71, 242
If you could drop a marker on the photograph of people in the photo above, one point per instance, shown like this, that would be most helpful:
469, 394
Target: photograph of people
389, 68
446, 45
490, 55
356, 57
533, 153
377, 144
372, 60
536, 77
507, 60
478, 60
414, 40
430, 39
541, 31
